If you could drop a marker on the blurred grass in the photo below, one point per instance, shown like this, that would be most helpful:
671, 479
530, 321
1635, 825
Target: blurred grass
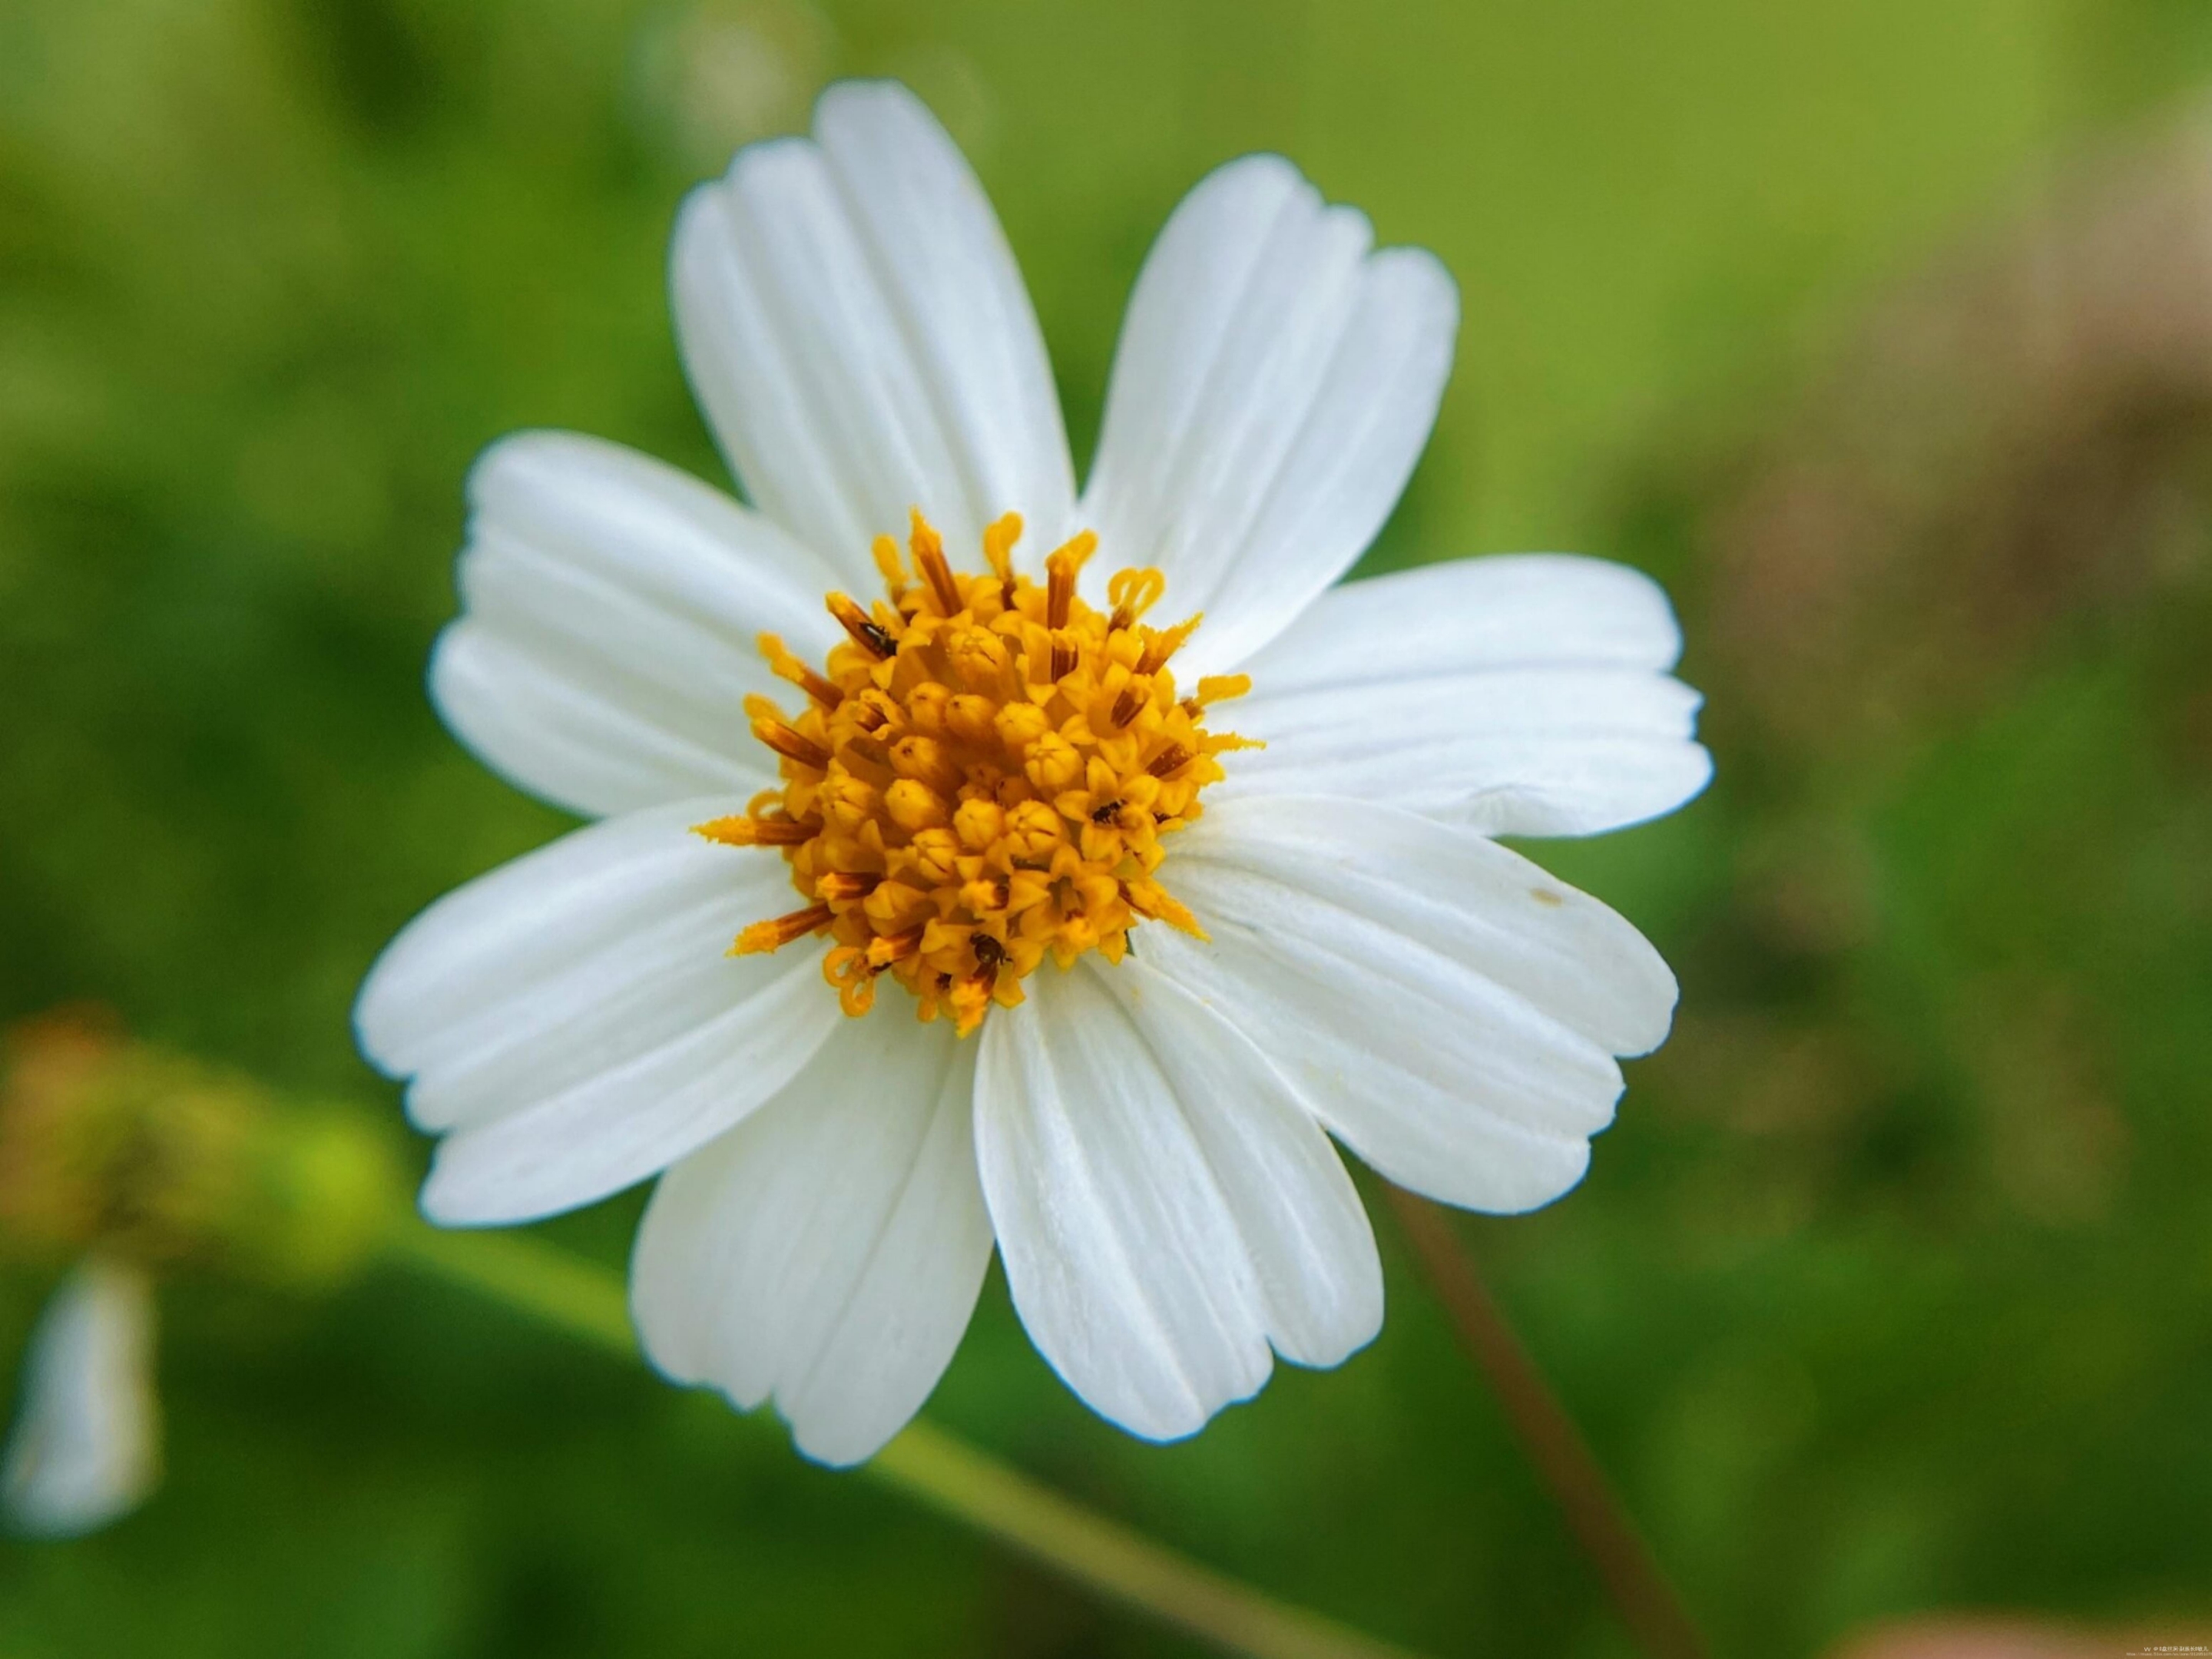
1890, 1288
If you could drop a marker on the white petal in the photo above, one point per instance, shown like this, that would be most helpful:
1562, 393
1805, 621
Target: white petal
612, 604
85, 1447
828, 1250
1519, 696
1524, 609
575, 1016
1299, 1216
858, 332
1161, 1208
1274, 385
1447, 1008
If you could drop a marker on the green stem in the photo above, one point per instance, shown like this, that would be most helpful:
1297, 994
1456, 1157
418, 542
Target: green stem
1640, 1590
929, 1465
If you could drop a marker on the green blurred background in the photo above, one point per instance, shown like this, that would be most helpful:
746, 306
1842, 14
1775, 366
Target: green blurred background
1882, 332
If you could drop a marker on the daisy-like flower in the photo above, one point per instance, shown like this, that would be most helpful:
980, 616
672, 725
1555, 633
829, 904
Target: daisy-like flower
1070, 915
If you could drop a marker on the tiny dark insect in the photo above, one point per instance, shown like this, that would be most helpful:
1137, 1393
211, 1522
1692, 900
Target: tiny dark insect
1106, 814
879, 639
989, 953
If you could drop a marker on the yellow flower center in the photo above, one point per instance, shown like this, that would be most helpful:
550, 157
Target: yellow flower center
982, 778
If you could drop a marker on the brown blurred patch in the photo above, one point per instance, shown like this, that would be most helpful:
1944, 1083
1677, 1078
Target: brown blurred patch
1805, 884
2002, 471
1791, 1082
2058, 1141
2021, 433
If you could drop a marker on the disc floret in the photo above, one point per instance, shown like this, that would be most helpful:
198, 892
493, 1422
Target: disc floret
983, 777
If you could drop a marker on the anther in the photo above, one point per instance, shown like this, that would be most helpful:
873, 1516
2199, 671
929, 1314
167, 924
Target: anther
842, 886
999, 539
887, 948
861, 747
1061, 568
929, 559
1134, 695
743, 831
791, 744
869, 635
986, 895
1170, 761
1165, 643
765, 936
786, 666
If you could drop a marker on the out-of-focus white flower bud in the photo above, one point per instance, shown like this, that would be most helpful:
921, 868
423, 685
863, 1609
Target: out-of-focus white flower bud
85, 1447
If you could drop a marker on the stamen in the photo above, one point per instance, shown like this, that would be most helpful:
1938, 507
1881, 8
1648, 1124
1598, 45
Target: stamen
1149, 898
1061, 568
1170, 761
1165, 643
743, 831
842, 886
1131, 593
765, 936
929, 559
1065, 649
1134, 695
999, 541
988, 896
868, 749
887, 948
786, 666
793, 745
869, 635
886, 551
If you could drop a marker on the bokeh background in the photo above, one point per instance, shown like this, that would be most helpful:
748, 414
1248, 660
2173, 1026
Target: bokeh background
1882, 332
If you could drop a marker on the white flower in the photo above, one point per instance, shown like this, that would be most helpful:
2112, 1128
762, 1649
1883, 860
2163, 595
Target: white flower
997, 770
85, 1447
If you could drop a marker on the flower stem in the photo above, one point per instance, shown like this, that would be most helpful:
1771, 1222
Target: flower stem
1646, 1601
930, 1465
